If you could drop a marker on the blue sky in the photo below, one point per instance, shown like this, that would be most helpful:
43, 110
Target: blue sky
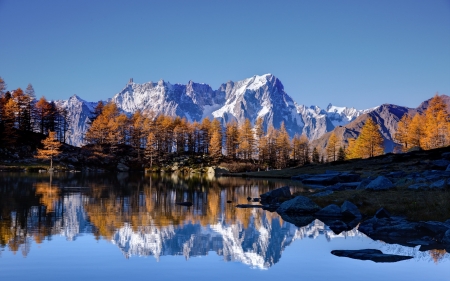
353, 53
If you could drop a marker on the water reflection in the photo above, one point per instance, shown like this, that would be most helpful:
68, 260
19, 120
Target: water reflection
138, 214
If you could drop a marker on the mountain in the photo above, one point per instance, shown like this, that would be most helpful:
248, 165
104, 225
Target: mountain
79, 113
385, 116
258, 96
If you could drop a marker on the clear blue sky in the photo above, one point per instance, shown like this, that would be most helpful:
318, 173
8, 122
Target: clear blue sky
355, 53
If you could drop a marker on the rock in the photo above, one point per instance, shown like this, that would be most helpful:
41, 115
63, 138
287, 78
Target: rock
329, 211
446, 238
337, 226
418, 186
217, 171
248, 206
348, 209
440, 184
363, 184
297, 220
348, 178
323, 193
276, 194
382, 213
122, 167
448, 168
396, 174
187, 204
229, 201
298, 205
380, 183
415, 148
440, 164
369, 254
322, 179
446, 155
435, 227
256, 199
344, 186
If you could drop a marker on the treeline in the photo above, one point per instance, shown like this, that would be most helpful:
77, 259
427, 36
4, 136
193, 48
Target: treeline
156, 139
21, 111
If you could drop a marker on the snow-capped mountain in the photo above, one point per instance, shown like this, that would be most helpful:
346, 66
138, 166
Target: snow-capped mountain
258, 96
79, 113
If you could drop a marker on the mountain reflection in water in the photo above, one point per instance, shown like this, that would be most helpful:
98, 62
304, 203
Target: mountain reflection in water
138, 214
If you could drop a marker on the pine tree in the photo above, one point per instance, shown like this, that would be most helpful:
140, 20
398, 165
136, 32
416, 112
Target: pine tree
29, 108
2, 87
332, 147
42, 108
51, 148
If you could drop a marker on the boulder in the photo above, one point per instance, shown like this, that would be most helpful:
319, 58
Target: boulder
217, 171
380, 183
322, 179
440, 184
382, 213
348, 209
369, 254
297, 220
363, 184
446, 155
298, 205
323, 193
276, 194
418, 186
446, 237
330, 211
434, 227
440, 164
122, 167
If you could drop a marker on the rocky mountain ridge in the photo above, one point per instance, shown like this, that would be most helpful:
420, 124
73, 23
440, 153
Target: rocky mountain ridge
257, 96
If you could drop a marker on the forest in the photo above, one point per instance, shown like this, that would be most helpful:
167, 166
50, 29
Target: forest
155, 140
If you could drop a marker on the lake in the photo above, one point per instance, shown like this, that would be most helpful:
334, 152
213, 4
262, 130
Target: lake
74, 226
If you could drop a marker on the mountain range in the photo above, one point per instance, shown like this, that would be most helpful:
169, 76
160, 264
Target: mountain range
258, 96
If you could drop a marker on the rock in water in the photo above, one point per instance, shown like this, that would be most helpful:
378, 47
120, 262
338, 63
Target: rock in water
273, 196
298, 205
330, 211
348, 209
369, 254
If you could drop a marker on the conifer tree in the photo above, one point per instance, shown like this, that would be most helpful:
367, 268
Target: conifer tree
315, 155
151, 148
232, 139
246, 140
41, 112
2, 87
259, 135
215, 147
369, 142
436, 123
332, 147
416, 133
401, 135
283, 146
50, 148
341, 154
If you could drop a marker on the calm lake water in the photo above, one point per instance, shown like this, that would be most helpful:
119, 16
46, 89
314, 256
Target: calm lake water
128, 227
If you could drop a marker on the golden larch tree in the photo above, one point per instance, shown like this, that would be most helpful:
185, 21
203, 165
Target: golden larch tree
50, 148
371, 141
332, 147
436, 123
401, 135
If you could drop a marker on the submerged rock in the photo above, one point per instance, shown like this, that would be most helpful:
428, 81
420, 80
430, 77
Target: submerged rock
248, 206
330, 211
369, 254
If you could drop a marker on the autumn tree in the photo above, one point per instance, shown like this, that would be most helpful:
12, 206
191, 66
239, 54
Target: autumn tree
416, 132
246, 140
300, 149
436, 123
215, 147
259, 138
283, 146
402, 133
369, 143
232, 139
41, 111
332, 147
50, 148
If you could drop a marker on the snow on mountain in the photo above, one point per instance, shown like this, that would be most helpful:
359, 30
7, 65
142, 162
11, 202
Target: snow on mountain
258, 96
79, 113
